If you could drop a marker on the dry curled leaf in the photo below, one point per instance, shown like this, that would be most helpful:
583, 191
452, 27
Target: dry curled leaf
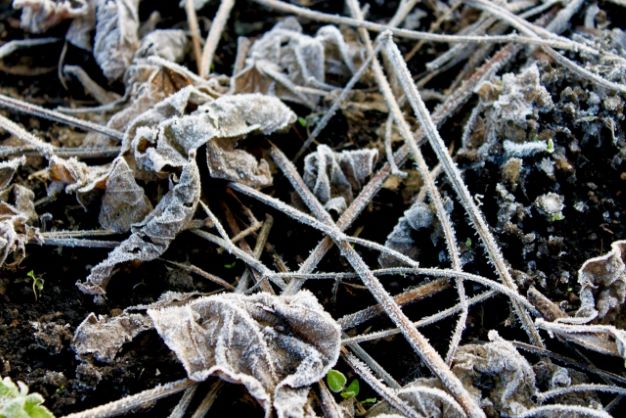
335, 177
418, 217
603, 286
40, 15
17, 210
158, 137
284, 58
117, 37
152, 236
169, 44
276, 346
512, 378
124, 202
8, 169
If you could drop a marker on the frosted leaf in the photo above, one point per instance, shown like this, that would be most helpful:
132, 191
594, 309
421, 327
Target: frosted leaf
419, 217
152, 236
8, 169
103, 337
276, 346
426, 397
284, 57
124, 201
522, 95
40, 15
17, 209
603, 285
117, 38
220, 123
76, 176
169, 44
512, 379
335, 177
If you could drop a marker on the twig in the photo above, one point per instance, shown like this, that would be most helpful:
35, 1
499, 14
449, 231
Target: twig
387, 394
208, 400
427, 320
213, 38
194, 29
181, 407
128, 403
417, 341
454, 176
197, 270
585, 387
564, 410
39, 144
38, 111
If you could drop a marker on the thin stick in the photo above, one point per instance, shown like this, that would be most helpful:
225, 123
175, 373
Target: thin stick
427, 320
39, 144
194, 29
208, 400
411, 34
183, 404
454, 176
38, 111
197, 270
128, 403
386, 393
417, 341
213, 38
586, 387
564, 410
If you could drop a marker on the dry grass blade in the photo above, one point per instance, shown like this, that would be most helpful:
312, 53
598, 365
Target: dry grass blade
454, 176
217, 27
418, 342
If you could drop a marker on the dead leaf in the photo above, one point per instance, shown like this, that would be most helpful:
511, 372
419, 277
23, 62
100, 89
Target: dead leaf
124, 202
117, 35
169, 44
335, 177
17, 210
8, 169
40, 15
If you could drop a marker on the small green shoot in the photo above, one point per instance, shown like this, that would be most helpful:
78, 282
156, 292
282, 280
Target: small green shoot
550, 147
352, 390
336, 380
468, 243
38, 283
230, 265
303, 122
16, 402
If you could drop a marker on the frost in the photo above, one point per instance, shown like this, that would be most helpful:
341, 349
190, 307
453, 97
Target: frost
103, 337
284, 57
164, 139
418, 217
603, 285
117, 38
17, 209
168, 44
551, 205
276, 346
335, 177
152, 236
75, 176
512, 378
124, 201
40, 15
8, 170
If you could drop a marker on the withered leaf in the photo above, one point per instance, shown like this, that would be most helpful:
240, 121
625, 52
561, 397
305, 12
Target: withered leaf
152, 236
603, 285
117, 37
40, 15
17, 208
8, 169
334, 177
284, 57
169, 44
124, 202
103, 337
276, 346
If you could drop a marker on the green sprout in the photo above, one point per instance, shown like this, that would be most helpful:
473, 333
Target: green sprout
337, 383
550, 147
336, 380
230, 265
303, 122
16, 402
38, 283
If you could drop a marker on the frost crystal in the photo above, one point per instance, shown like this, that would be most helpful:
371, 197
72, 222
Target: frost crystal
276, 346
334, 177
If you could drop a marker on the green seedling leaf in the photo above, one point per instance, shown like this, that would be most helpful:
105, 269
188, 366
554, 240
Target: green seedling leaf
38, 283
230, 265
302, 121
336, 380
352, 391
369, 401
16, 402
